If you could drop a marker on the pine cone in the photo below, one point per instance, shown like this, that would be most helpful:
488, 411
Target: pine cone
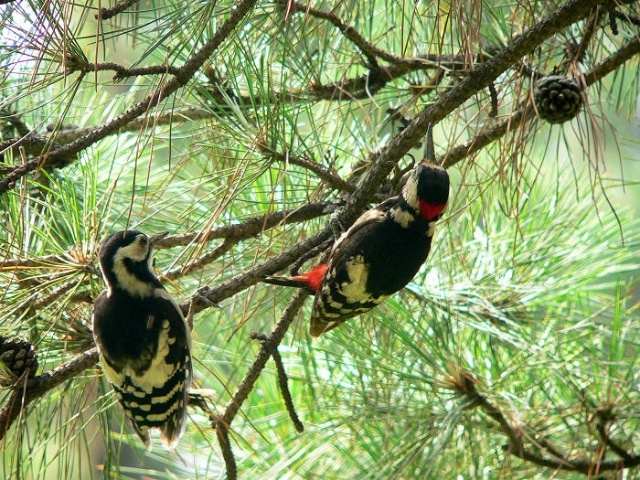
557, 98
17, 356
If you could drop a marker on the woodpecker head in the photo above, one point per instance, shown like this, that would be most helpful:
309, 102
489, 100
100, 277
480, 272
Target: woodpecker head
125, 262
427, 190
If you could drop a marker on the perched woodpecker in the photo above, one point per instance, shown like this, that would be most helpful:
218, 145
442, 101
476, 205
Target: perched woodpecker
380, 253
142, 338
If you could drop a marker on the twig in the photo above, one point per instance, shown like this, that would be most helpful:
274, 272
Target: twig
605, 416
107, 13
222, 432
282, 382
588, 32
365, 86
330, 177
614, 61
465, 385
15, 120
124, 72
494, 100
268, 346
613, 22
628, 17
286, 394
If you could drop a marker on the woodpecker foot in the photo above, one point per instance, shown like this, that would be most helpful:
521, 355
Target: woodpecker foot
198, 399
336, 226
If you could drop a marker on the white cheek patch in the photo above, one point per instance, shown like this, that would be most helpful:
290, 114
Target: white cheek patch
135, 251
128, 281
410, 192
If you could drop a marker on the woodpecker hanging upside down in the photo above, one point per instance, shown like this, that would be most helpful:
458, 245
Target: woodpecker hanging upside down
380, 253
142, 338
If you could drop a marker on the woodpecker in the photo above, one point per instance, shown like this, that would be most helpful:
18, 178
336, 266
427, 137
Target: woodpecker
380, 253
142, 338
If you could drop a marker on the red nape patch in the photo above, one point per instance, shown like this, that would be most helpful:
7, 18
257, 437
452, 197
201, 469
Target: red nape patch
313, 278
430, 211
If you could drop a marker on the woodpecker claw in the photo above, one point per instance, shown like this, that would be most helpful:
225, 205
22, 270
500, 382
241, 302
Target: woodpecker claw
336, 226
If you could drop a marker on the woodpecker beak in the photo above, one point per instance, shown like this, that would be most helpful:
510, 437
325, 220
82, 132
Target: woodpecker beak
429, 149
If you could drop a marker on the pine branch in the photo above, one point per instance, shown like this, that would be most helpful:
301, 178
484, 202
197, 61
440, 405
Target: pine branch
465, 385
107, 13
269, 344
383, 161
162, 92
35, 387
283, 382
231, 232
524, 115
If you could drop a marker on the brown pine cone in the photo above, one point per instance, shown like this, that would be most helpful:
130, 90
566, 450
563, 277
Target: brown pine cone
557, 98
17, 356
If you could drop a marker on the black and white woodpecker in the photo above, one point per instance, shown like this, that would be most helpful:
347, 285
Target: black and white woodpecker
380, 253
143, 339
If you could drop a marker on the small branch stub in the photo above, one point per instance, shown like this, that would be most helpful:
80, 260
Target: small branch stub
557, 98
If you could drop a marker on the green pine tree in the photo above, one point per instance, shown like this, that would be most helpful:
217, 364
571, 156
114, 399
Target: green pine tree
240, 127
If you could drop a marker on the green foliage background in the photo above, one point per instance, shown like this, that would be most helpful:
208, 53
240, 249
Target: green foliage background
531, 285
